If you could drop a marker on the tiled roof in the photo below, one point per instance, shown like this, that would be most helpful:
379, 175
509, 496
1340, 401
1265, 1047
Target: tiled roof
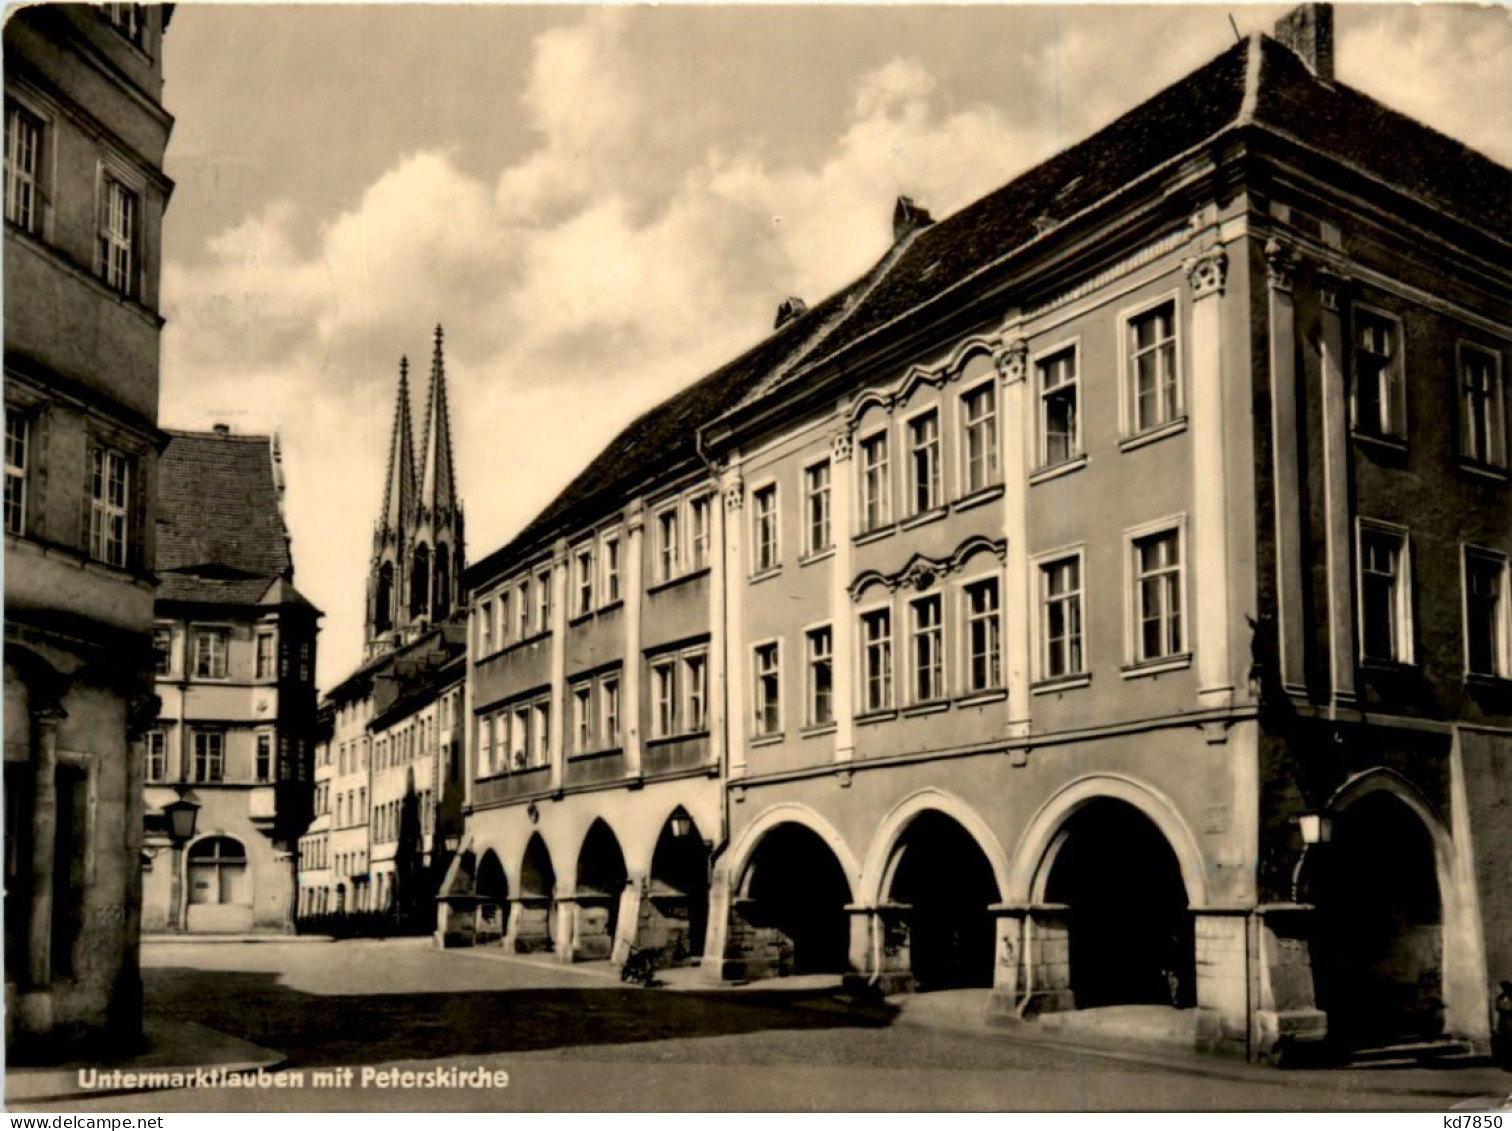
220, 530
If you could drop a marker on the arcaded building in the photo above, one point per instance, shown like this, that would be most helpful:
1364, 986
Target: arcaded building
85, 134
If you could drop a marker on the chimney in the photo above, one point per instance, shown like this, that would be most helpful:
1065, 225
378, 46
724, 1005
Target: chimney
788, 309
223, 429
1308, 30
908, 217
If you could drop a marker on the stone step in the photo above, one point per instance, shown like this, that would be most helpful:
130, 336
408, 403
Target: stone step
1447, 1052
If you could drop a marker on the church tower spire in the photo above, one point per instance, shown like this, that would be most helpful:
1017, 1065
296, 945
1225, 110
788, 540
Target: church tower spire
437, 562
399, 480
395, 527
437, 486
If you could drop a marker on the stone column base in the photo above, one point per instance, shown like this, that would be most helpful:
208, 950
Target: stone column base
1286, 1037
34, 1012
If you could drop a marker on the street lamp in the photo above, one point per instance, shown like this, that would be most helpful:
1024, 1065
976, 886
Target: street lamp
681, 823
182, 814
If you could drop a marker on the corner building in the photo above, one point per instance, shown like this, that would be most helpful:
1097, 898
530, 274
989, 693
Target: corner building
1110, 603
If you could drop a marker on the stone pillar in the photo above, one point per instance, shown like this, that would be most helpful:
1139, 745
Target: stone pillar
1008, 974
563, 912
880, 958
635, 596
35, 1004
842, 622
1206, 272
1222, 969
627, 932
1047, 960
735, 583
717, 934
715, 703
1018, 591
556, 711
1287, 1024
1337, 540
1285, 436
588, 914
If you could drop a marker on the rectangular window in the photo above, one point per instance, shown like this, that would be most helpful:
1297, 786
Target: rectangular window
764, 519
120, 217
157, 756
130, 20
209, 755
695, 692
984, 630
485, 627
541, 722
17, 452
1154, 387
1061, 618
582, 717
23, 167
664, 698
210, 645
519, 738
698, 535
1483, 412
584, 566
820, 662
110, 480
609, 708
768, 701
667, 538
1156, 567
264, 767
876, 493
267, 645
924, 462
928, 650
1380, 388
487, 752
610, 561
816, 508
1385, 595
979, 431
876, 644
1059, 418
1486, 619
162, 648
522, 612
543, 601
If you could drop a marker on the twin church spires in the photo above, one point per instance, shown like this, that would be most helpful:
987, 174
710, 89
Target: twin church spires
418, 556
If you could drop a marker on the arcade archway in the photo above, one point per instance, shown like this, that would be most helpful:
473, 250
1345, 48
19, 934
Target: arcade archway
533, 928
679, 890
601, 879
794, 901
942, 875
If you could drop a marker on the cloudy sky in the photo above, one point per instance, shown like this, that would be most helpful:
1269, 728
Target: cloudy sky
602, 204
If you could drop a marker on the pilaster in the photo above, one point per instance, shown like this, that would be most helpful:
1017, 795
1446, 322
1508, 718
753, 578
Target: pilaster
718, 637
39, 926
1337, 542
1016, 441
1281, 266
842, 621
556, 711
635, 597
733, 488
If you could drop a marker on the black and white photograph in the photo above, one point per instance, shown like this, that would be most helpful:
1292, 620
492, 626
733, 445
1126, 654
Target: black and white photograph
744, 558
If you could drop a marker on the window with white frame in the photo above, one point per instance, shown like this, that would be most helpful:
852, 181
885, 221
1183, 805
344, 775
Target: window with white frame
876, 485
487, 754
162, 648
543, 600
266, 654
210, 648
120, 222
664, 697
1061, 652
984, 636
609, 710
700, 509
927, 632
768, 697
263, 766
209, 755
609, 562
519, 738
1380, 388
23, 167
1155, 570
668, 540
819, 662
979, 435
876, 659
583, 567
522, 610
1385, 593
485, 627
816, 508
110, 482
1059, 410
1483, 411
695, 692
1486, 613
1154, 383
540, 723
157, 756
582, 717
130, 20
764, 528
17, 453
924, 492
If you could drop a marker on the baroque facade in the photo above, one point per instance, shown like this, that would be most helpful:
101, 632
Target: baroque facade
387, 768
1103, 600
236, 682
85, 134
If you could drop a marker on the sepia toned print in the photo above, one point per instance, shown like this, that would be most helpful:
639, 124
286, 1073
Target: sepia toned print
459, 657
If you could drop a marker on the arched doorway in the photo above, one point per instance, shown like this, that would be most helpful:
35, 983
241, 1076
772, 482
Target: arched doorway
1380, 946
941, 874
795, 898
492, 889
1128, 924
679, 893
533, 927
601, 879
220, 890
